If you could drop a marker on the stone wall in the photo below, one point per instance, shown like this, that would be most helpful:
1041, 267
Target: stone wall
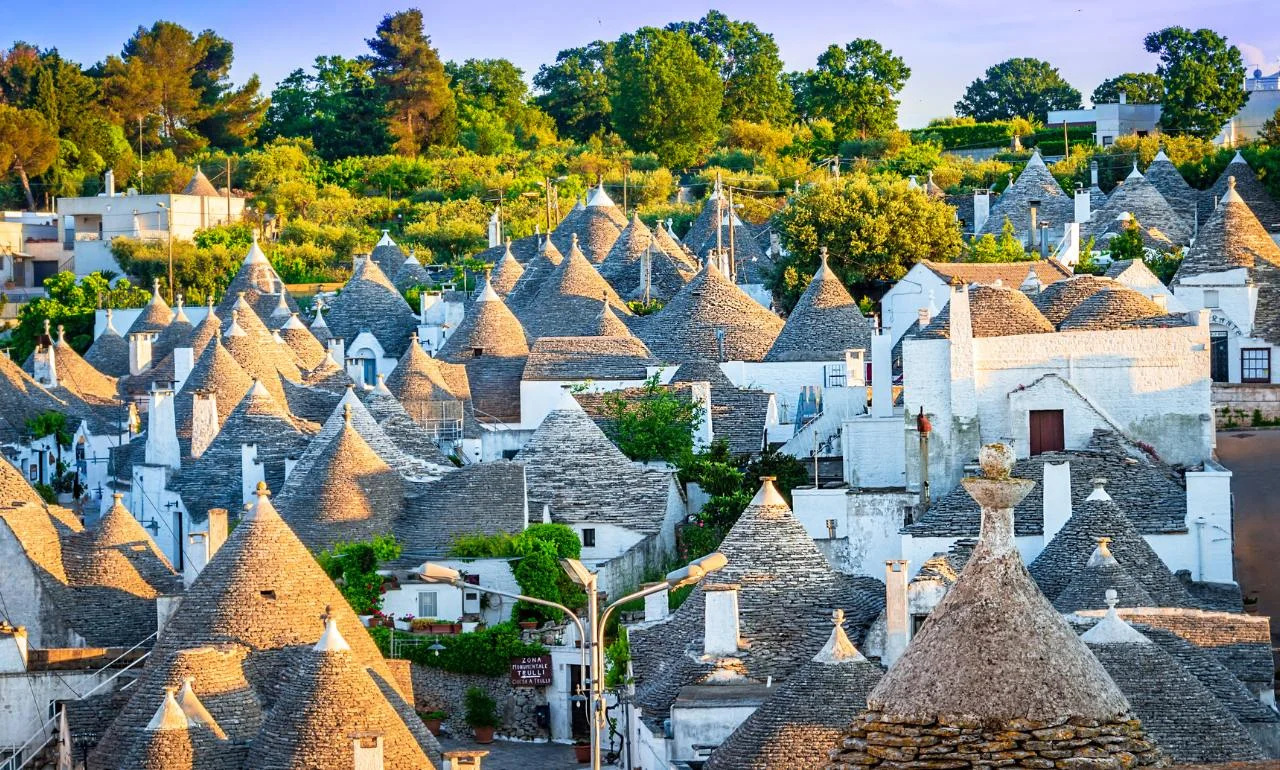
437, 690
956, 743
1234, 404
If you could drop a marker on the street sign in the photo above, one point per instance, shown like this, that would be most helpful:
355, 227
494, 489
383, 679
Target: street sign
531, 672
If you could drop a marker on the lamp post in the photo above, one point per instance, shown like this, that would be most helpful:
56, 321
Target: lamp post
597, 620
168, 226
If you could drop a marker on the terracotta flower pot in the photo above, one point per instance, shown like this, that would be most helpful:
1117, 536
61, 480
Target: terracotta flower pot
433, 725
582, 752
483, 734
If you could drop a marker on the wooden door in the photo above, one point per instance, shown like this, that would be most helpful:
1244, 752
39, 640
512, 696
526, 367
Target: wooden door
1046, 431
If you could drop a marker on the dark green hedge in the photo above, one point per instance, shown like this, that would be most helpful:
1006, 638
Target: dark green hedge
488, 651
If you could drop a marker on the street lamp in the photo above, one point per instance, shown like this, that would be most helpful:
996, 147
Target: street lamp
597, 621
168, 222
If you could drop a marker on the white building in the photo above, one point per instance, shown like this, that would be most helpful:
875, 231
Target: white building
89, 224
1262, 99
1111, 121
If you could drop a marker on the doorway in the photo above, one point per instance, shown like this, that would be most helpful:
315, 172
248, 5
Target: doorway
1218, 356
1047, 433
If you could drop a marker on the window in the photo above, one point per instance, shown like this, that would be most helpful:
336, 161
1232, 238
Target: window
1255, 365
1107, 140
917, 622
588, 538
1141, 134
510, 454
1211, 298
427, 604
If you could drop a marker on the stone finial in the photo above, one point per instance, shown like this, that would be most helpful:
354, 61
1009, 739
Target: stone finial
575, 239
838, 648
1101, 554
1231, 182
1113, 598
346, 414
996, 460
261, 490
1112, 629
155, 287
46, 327
1099, 490
118, 497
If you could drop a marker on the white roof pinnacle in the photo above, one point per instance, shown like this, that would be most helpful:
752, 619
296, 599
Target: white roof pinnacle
170, 715
234, 329
261, 503
599, 197
1231, 195
1238, 159
1098, 493
1135, 173
110, 326
381, 387
1101, 554
1160, 156
1112, 629
1036, 160
319, 321
385, 240
487, 294
178, 313
331, 640
293, 323
838, 648
259, 390
255, 255
196, 713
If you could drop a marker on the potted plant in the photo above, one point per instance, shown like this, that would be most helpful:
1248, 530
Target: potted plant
482, 714
404, 622
582, 752
420, 625
432, 720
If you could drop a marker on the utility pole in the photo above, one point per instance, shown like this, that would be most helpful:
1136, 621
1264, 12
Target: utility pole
1066, 143
626, 181
733, 258
142, 159
168, 210
546, 187
228, 189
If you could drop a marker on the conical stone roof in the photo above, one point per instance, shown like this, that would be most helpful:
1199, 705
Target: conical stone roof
215, 372
256, 279
200, 185
1179, 714
1102, 573
387, 254
489, 325
1034, 183
1165, 177
1161, 225
411, 273
825, 322
349, 494
155, 316
420, 380
369, 302
109, 353
688, 326
800, 723
569, 299
1255, 195
209, 329
597, 226
1233, 237
303, 343
536, 272
669, 265
994, 648
506, 273
1117, 307
79, 376
400, 427
608, 324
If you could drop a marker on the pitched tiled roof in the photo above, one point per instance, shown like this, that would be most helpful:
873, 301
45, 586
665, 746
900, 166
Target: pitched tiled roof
825, 322
994, 311
1139, 198
588, 358
1166, 178
256, 353
575, 469
1118, 307
1178, 712
799, 724
369, 302
569, 300
1063, 557
1149, 492
1035, 183
994, 649
490, 325
608, 324
687, 327
483, 498
348, 494
1008, 273
784, 614
1248, 186
109, 353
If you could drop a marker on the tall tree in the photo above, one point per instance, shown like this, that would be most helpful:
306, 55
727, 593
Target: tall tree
749, 65
856, 88
28, 146
338, 106
494, 113
421, 109
1202, 79
178, 85
1137, 87
666, 98
575, 90
1018, 88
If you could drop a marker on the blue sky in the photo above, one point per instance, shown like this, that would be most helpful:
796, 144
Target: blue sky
946, 43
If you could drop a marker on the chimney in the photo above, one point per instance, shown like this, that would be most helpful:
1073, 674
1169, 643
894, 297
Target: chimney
1057, 498
656, 605
1162, 301
367, 749
217, 529
183, 361
1033, 213
981, 209
1124, 98
44, 363
162, 430
1084, 205
289, 464
1069, 254
897, 620
964, 395
646, 272
109, 183
165, 607
1044, 240
881, 373
1093, 173
704, 435
495, 230
204, 421
195, 557
923, 316
337, 349
140, 352
251, 471
721, 634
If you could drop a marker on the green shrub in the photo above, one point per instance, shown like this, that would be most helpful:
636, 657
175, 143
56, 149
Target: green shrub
482, 710
356, 564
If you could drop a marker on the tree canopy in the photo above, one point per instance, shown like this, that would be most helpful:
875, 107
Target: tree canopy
749, 64
1137, 87
666, 98
575, 90
1018, 88
1202, 76
420, 105
338, 106
855, 87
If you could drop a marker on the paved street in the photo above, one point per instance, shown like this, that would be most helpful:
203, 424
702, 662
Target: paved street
511, 755
1254, 459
